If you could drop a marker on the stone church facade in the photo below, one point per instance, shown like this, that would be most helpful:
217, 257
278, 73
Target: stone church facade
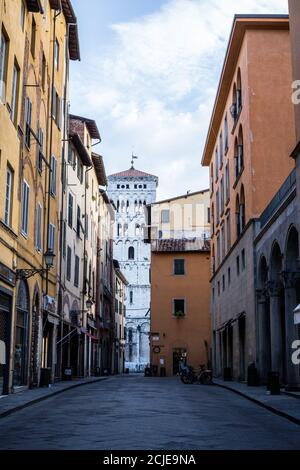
130, 191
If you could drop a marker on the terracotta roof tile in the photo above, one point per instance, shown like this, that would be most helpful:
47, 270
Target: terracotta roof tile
181, 245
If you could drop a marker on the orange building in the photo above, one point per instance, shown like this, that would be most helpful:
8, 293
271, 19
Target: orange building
251, 132
180, 270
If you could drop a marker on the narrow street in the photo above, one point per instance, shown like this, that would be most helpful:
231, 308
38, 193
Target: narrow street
131, 413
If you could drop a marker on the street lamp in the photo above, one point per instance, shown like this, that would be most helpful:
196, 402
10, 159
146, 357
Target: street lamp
49, 257
297, 315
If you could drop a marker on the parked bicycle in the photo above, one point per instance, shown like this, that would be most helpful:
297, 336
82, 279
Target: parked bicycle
189, 375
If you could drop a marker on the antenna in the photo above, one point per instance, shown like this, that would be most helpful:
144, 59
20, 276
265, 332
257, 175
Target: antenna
134, 157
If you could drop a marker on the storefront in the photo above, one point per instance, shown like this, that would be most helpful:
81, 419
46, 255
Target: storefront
21, 336
5, 329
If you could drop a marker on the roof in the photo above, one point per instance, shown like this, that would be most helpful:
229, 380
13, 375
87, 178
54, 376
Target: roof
99, 169
82, 151
241, 24
181, 245
71, 20
187, 195
35, 6
90, 124
132, 173
119, 272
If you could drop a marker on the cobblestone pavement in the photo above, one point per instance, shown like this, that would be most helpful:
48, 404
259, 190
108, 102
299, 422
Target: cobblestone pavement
131, 413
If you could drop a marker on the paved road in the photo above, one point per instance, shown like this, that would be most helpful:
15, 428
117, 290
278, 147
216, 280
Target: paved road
130, 413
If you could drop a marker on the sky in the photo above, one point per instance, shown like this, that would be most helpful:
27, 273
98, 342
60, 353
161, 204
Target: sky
148, 76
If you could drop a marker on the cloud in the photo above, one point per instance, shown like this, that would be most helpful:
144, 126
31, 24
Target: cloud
152, 89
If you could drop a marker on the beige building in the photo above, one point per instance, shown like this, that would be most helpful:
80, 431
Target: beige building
180, 271
34, 72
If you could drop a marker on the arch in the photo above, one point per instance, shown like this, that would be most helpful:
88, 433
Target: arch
239, 101
275, 262
137, 230
131, 253
292, 250
21, 334
263, 272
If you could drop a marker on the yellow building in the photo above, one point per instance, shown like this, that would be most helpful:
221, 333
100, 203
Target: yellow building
36, 82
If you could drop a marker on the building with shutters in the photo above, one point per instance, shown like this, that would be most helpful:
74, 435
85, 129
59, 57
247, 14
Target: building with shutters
131, 191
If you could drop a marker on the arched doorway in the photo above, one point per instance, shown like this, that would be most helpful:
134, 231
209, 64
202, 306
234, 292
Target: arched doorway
21, 335
292, 299
277, 313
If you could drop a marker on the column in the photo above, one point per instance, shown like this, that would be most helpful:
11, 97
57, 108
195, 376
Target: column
275, 324
262, 335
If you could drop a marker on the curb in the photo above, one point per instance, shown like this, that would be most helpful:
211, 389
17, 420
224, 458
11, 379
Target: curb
273, 410
45, 397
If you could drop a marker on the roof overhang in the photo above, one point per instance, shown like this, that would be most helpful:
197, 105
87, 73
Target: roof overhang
241, 24
35, 6
66, 7
74, 46
99, 169
82, 152
90, 124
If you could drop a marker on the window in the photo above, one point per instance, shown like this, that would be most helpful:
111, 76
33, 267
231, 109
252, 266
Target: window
242, 209
243, 260
14, 94
229, 277
78, 225
22, 15
212, 219
165, 216
28, 123
53, 172
76, 274
80, 171
70, 154
179, 267
226, 133
131, 253
44, 66
3, 65
222, 195
40, 150
131, 297
179, 307
56, 54
218, 250
86, 226
25, 208
223, 282
217, 207
223, 242
51, 244
239, 102
69, 263
119, 230
33, 37
70, 211
221, 149
237, 217
219, 289
8, 196
38, 228
217, 164
212, 177
238, 265
227, 183
228, 231
208, 215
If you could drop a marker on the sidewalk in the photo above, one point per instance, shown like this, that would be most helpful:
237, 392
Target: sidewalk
286, 405
17, 401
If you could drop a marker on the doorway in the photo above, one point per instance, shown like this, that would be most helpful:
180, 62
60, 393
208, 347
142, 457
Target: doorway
5, 311
179, 354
